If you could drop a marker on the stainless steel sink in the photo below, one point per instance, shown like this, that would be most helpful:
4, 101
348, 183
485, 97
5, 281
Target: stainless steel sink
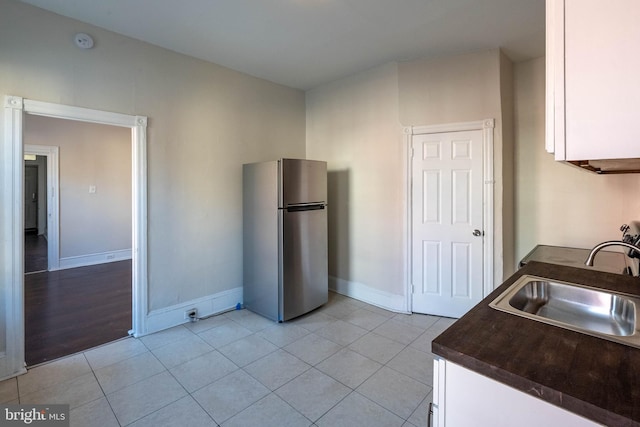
604, 314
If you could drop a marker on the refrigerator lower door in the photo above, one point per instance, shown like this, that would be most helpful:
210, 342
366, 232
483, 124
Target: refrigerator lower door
304, 281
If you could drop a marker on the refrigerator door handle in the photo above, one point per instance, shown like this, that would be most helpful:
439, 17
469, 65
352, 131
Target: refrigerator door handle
305, 207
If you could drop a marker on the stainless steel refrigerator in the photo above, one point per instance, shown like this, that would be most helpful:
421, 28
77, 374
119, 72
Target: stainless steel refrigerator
285, 237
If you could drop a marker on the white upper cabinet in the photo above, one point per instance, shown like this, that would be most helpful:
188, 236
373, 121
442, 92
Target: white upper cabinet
593, 79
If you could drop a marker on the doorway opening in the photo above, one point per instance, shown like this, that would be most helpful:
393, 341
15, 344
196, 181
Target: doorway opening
84, 299
41, 247
35, 214
12, 348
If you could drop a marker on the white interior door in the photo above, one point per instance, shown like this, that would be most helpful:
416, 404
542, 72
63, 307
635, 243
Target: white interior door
447, 220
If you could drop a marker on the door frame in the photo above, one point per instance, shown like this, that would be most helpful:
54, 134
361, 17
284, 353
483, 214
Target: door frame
486, 126
53, 203
12, 360
36, 194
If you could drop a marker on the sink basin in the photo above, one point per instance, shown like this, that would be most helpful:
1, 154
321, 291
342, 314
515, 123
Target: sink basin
604, 314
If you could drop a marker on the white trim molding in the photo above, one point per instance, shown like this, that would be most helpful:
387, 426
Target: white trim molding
362, 292
487, 128
210, 305
79, 114
12, 241
11, 233
139, 256
94, 259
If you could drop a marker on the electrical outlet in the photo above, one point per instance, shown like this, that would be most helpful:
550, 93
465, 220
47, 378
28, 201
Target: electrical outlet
191, 314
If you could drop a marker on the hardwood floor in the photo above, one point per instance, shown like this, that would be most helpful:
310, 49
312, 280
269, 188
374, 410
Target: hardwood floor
35, 252
67, 311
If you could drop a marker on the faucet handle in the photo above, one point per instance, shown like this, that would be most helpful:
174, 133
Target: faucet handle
634, 240
624, 228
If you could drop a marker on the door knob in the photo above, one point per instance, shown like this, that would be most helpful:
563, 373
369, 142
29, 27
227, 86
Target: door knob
477, 233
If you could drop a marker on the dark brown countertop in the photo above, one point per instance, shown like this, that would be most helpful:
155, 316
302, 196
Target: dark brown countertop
595, 378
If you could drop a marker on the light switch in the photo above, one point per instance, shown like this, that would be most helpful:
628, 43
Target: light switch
92, 189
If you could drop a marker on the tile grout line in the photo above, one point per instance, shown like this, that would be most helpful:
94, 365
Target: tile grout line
103, 395
258, 332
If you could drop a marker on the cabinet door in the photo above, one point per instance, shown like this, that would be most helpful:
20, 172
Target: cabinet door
593, 59
436, 417
471, 399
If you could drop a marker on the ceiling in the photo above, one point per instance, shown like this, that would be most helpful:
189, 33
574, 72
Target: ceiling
305, 43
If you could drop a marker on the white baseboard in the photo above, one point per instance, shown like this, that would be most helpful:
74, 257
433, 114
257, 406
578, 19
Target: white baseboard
164, 318
93, 259
364, 293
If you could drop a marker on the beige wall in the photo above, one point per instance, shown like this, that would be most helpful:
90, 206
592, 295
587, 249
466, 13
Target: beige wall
204, 122
557, 204
458, 88
89, 155
353, 125
356, 125
507, 165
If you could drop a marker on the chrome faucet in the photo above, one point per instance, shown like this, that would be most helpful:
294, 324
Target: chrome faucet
597, 248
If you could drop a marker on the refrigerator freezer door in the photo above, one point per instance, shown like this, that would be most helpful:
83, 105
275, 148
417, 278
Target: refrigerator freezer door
302, 181
304, 282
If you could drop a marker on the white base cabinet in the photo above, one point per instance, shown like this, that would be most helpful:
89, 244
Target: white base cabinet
463, 398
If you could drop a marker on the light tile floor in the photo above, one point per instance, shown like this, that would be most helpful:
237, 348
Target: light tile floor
345, 364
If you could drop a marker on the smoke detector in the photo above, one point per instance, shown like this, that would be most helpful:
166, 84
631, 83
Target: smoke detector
83, 41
